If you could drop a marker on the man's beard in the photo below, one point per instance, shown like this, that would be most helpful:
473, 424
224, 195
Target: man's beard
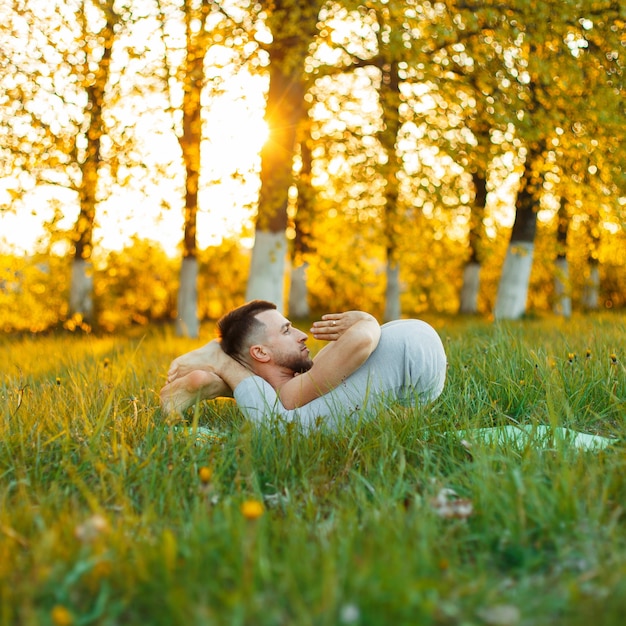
297, 363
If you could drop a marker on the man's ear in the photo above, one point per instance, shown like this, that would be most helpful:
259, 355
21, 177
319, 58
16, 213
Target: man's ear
259, 353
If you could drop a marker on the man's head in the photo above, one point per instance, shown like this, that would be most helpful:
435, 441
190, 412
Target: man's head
258, 336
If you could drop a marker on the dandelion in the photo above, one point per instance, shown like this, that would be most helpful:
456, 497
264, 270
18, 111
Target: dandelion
61, 616
571, 357
58, 381
613, 358
106, 362
205, 474
252, 509
588, 354
91, 529
522, 382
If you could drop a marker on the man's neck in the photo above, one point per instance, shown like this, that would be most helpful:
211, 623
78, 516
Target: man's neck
275, 376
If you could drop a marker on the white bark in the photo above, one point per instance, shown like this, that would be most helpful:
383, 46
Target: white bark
562, 289
591, 290
298, 293
267, 268
187, 324
81, 289
513, 287
470, 289
392, 294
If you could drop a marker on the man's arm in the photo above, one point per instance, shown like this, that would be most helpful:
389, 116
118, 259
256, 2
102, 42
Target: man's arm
354, 336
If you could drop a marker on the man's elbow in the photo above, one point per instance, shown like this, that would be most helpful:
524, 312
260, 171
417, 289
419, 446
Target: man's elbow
365, 344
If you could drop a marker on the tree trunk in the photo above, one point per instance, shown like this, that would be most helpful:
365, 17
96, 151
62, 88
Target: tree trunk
81, 288
389, 96
471, 272
298, 293
562, 297
591, 289
187, 323
392, 293
562, 289
267, 267
284, 114
513, 287
471, 288
303, 220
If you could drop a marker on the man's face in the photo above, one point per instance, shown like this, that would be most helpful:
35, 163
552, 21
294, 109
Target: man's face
285, 343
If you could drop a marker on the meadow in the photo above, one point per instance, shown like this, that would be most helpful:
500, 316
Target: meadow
110, 515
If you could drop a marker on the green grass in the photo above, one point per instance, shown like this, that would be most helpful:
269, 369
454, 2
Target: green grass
105, 520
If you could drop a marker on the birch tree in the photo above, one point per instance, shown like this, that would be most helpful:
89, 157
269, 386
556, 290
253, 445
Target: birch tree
73, 85
550, 69
387, 43
292, 26
95, 73
56, 91
302, 225
513, 285
562, 286
188, 75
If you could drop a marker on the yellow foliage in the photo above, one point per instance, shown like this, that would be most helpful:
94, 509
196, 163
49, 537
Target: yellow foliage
33, 292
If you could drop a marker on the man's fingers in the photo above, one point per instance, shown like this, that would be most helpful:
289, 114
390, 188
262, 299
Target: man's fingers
326, 332
329, 327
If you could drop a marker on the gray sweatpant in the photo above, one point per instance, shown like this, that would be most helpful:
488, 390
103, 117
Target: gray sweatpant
407, 366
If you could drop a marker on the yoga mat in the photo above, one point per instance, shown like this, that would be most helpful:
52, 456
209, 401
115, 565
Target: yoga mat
521, 436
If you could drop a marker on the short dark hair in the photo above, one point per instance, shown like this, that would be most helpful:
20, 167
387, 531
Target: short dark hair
236, 327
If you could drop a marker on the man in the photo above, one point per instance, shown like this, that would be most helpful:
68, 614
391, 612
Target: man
263, 361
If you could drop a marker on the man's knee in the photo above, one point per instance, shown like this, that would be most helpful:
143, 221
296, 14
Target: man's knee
425, 361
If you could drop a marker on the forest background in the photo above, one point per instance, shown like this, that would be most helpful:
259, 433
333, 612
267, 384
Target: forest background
394, 156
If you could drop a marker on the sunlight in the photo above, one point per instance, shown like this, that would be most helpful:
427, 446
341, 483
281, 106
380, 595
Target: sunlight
235, 132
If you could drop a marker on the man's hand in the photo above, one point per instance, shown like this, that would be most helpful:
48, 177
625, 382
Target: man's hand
333, 325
